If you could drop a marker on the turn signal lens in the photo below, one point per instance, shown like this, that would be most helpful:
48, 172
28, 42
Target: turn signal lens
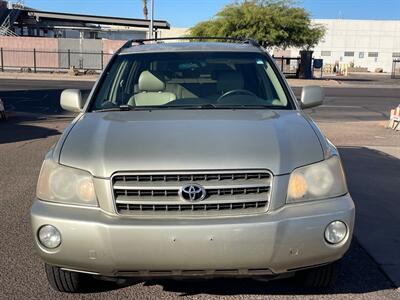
321, 180
297, 186
85, 190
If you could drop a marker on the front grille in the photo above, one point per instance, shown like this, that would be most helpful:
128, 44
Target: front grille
226, 193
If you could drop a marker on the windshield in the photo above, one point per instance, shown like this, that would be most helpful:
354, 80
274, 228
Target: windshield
190, 80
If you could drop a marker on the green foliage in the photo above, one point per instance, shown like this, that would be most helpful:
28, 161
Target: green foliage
270, 22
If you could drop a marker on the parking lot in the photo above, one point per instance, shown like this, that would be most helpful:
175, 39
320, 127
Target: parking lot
352, 117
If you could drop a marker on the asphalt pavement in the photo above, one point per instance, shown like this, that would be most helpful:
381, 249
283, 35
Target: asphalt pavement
353, 118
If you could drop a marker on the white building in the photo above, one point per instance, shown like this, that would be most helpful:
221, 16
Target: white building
368, 44
173, 32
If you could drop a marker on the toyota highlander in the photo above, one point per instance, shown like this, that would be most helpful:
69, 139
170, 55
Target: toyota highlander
191, 159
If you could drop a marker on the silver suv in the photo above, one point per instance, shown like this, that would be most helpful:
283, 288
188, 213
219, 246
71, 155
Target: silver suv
191, 159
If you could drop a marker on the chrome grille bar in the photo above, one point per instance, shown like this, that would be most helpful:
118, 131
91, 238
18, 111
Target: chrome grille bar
192, 177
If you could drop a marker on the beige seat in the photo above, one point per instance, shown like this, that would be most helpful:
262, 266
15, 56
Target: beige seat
231, 80
151, 91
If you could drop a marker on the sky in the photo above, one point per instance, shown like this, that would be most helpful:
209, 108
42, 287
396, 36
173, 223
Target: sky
186, 13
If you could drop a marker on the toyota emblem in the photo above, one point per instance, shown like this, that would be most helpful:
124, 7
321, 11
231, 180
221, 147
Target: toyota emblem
192, 192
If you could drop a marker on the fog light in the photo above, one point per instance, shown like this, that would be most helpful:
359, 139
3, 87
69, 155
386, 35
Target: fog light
49, 236
335, 232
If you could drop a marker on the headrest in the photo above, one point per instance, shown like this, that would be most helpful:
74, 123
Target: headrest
229, 80
150, 83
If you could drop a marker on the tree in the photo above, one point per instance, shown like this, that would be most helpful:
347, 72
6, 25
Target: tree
270, 22
145, 10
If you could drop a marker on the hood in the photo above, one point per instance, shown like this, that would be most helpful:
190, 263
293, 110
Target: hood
173, 140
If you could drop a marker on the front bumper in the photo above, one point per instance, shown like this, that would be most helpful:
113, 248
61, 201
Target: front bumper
281, 241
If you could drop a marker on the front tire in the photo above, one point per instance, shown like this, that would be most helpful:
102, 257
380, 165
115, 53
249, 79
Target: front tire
66, 281
320, 277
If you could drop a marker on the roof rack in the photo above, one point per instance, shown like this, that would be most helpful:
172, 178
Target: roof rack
243, 40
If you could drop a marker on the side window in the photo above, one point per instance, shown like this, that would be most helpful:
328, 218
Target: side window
276, 87
132, 79
111, 89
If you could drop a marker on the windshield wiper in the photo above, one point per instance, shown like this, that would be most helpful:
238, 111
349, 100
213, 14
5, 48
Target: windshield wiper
125, 107
214, 106
116, 108
202, 106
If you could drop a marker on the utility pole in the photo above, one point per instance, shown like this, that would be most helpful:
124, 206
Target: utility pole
151, 33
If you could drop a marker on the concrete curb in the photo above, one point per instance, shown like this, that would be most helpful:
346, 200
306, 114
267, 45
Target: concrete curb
370, 86
36, 76
346, 86
304, 82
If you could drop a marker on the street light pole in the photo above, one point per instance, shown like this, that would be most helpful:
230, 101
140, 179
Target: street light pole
151, 34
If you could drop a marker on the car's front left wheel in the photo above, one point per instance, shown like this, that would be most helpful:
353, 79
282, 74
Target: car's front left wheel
67, 281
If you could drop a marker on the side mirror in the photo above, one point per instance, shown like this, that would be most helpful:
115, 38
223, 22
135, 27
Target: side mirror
312, 96
71, 100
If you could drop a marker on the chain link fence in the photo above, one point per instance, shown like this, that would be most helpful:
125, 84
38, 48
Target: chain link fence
51, 60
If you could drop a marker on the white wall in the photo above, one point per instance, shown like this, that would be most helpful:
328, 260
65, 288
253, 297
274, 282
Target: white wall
123, 34
360, 36
173, 32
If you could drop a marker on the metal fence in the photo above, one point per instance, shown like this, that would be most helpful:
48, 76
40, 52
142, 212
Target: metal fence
289, 66
57, 60
396, 69
51, 60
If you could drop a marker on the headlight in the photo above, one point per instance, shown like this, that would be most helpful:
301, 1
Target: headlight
317, 181
66, 185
